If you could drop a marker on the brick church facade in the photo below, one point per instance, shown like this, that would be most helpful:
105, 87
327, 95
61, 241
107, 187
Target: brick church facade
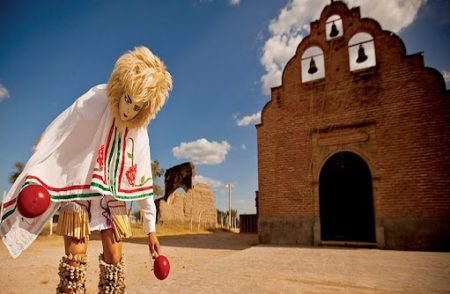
354, 146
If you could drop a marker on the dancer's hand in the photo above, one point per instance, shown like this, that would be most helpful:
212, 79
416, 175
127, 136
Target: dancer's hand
153, 244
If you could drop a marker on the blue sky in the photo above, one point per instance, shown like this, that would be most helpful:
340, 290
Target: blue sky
223, 55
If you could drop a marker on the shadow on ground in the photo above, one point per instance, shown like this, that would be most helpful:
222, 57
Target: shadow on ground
215, 240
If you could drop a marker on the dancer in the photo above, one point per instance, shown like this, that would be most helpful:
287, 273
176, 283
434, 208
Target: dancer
93, 158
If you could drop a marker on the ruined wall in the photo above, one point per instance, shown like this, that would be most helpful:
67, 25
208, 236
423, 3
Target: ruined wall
196, 208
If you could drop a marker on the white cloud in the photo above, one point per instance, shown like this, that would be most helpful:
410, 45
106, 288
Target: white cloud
244, 147
249, 119
233, 186
3, 92
286, 32
201, 2
446, 75
202, 151
393, 15
292, 24
212, 183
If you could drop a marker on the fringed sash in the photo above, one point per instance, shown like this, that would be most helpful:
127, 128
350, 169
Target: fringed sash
121, 222
73, 221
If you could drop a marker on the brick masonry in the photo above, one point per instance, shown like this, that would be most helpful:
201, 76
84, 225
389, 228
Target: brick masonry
395, 116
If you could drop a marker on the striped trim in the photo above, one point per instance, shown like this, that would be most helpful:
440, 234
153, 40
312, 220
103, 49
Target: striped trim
53, 189
8, 213
98, 177
110, 158
142, 189
77, 191
9, 203
73, 196
9, 208
107, 181
116, 166
123, 158
101, 176
148, 188
130, 194
100, 186
100, 181
108, 142
133, 197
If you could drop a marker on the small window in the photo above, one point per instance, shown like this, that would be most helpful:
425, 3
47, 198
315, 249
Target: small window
333, 27
313, 65
361, 51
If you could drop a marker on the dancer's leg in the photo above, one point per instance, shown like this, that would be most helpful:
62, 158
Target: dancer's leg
74, 246
112, 250
112, 265
72, 267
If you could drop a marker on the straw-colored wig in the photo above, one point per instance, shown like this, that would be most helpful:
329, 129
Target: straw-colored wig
144, 77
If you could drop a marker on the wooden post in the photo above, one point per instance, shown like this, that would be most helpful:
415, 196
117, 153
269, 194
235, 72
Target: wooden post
229, 207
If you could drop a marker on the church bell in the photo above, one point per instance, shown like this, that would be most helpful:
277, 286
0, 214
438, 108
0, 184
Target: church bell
312, 66
334, 31
361, 54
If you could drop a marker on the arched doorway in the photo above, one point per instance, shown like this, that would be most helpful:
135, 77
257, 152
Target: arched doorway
346, 199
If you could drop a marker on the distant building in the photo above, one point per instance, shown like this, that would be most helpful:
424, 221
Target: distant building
354, 146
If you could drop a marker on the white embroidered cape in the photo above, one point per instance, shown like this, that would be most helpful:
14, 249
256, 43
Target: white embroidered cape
81, 155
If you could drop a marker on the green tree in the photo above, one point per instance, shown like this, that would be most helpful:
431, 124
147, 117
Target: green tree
157, 172
220, 217
15, 174
234, 217
233, 212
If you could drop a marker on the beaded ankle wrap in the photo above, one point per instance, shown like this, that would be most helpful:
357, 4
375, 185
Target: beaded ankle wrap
112, 277
72, 279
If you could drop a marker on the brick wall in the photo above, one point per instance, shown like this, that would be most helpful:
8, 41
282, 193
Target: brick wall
396, 116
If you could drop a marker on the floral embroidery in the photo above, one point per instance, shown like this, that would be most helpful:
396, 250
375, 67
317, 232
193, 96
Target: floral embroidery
100, 158
132, 170
131, 174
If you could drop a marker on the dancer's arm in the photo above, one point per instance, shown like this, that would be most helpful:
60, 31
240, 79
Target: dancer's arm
148, 211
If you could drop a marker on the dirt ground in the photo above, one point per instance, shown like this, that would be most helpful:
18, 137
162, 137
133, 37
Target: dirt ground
223, 262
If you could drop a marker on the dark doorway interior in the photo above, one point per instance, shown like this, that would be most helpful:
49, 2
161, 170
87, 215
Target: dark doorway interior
346, 200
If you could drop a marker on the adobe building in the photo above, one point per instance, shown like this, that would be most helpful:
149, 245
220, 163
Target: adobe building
354, 146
